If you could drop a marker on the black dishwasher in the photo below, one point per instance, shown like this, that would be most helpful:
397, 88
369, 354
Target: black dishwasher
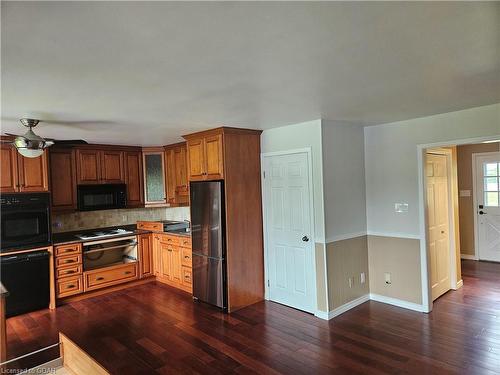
26, 277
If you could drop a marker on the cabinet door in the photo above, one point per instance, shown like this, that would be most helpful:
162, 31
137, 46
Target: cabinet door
62, 179
88, 166
181, 181
171, 182
213, 157
146, 255
9, 182
196, 159
165, 260
33, 173
154, 178
112, 169
176, 264
134, 179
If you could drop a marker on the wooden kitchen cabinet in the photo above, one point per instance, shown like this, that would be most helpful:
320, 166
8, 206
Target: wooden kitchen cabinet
154, 177
88, 166
146, 255
62, 167
100, 166
134, 178
177, 182
173, 262
21, 174
205, 156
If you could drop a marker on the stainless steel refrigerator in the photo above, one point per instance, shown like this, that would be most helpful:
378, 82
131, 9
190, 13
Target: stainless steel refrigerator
208, 241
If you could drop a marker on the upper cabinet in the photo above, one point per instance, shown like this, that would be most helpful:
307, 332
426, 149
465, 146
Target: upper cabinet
154, 176
177, 182
62, 168
205, 155
21, 174
133, 178
100, 166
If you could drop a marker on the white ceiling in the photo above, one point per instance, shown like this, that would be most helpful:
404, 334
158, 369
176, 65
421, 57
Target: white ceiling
145, 73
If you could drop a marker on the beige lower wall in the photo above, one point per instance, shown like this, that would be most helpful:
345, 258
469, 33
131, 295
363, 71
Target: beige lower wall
401, 258
67, 222
322, 302
347, 259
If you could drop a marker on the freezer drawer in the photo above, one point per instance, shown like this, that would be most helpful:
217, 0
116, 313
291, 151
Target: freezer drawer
208, 280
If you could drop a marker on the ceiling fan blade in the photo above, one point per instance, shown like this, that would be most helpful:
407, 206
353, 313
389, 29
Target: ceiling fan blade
12, 135
69, 141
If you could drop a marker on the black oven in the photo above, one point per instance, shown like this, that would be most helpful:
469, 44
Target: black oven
25, 220
101, 197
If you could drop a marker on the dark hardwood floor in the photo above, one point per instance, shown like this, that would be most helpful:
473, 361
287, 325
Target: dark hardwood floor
155, 329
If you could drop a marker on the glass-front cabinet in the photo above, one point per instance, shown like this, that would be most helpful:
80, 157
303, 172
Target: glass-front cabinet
154, 176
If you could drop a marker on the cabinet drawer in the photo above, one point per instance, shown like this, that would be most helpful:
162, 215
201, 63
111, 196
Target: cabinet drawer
150, 225
68, 260
69, 271
171, 240
110, 276
62, 250
185, 242
187, 276
69, 286
187, 259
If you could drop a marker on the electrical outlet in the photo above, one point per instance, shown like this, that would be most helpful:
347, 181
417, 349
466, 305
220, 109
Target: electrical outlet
124, 218
351, 282
387, 277
362, 278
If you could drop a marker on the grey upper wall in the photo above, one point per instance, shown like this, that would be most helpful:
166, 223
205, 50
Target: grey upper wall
344, 180
391, 162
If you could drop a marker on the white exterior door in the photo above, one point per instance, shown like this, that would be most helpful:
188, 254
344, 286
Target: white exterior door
290, 247
488, 206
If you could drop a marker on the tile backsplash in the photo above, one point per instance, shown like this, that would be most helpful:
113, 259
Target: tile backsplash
67, 222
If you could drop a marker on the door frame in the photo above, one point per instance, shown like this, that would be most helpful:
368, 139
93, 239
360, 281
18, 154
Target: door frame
427, 302
452, 245
263, 156
477, 254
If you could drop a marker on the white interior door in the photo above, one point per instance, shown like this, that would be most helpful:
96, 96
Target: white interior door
290, 247
488, 206
438, 219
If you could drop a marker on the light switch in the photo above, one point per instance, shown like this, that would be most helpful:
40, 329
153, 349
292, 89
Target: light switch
401, 207
387, 277
363, 278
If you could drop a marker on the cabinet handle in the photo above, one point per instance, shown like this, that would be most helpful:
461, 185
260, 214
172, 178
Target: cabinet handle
68, 261
100, 278
70, 286
70, 271
128, 272
186, 257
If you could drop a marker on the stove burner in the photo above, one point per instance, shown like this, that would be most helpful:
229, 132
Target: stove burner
104, 233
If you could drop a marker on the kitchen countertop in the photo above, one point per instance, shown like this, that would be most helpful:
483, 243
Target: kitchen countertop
64, 238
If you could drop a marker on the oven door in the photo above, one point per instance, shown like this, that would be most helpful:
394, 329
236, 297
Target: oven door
101, 197
28, 226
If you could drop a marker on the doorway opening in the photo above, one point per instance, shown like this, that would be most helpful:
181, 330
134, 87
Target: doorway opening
460, 214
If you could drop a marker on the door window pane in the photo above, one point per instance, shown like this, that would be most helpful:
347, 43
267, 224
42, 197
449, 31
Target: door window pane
491, 169
491, 184
491, 199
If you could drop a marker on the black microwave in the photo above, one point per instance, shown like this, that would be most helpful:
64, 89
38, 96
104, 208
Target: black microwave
25, 220
101, 197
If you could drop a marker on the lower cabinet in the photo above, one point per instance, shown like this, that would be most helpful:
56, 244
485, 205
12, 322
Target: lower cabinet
68, 270
145, 255
173, 262
108, 276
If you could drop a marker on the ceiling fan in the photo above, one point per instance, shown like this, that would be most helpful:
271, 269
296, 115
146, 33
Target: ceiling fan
32, 145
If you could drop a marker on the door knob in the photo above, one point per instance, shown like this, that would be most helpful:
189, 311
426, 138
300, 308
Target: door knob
482, 212
305, 239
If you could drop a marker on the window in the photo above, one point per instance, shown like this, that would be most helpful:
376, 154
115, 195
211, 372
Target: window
491, 184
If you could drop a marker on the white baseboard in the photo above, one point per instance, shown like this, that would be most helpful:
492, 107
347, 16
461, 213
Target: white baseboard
46, 368
397, 302
321, 314
460, 284
468, 257
347, 306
